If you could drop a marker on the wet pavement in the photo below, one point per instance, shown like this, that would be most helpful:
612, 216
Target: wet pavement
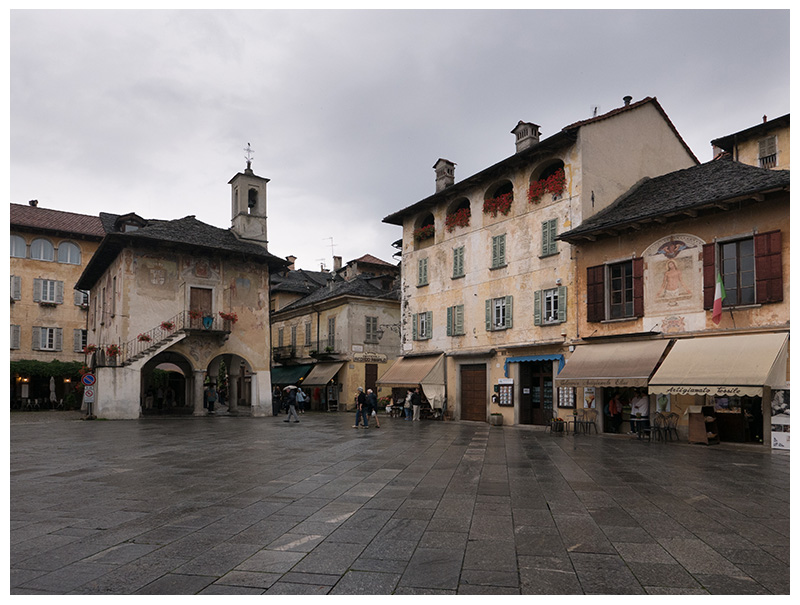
239, 505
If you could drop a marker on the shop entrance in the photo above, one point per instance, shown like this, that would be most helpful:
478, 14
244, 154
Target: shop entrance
536, 399
473, 392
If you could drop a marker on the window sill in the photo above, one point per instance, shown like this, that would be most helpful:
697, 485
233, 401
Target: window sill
422, 285
462, 276
549, 255
619, 320
498, 267
739, 307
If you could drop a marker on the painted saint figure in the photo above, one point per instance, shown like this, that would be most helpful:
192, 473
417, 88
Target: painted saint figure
673, 286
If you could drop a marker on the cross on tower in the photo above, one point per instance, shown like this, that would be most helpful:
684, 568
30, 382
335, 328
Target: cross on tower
249, 157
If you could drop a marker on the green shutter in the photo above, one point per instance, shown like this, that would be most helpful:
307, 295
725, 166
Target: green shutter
499, 250
549, 244
450, 321
458, 262
562, 304
488, 314
414, 324
16, 287
459, 319
537, 308
509, 311
429, 324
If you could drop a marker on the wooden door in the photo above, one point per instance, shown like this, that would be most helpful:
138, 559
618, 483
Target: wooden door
536, 406
473, 392
200, 300
370, 375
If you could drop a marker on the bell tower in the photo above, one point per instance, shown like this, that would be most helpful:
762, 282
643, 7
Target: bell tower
249, 204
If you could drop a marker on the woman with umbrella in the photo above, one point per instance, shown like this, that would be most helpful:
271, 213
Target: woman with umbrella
291, 401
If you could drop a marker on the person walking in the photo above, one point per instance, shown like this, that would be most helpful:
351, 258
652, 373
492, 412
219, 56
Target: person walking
291, 402
301, 401
361, 402
277, 400
372, 409
211, 398
416, 402
407, 404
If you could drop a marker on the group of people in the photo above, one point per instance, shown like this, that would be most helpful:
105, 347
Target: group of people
366, 406
640, 410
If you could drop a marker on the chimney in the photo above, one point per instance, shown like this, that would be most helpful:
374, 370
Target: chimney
445, 174
627, 100
765, 119
527, 134
291, 260
33, 203
337, 263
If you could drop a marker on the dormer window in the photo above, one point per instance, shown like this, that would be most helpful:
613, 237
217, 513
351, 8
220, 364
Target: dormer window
129, 222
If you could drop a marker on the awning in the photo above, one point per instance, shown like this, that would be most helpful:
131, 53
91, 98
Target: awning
428, 372
322, 373
557, 357
724, 365
283, 375
628, 364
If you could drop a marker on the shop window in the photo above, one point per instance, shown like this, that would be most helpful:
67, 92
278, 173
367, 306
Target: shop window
18, 247
499, 312
42, 249
550, 306
422, 325
615, 291
455, 320
69, 253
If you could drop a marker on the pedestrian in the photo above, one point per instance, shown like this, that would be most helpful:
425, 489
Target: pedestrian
361, 401
276, 400
372, 409
148, 400
615, 412
407, 404
640, 411
301, 401
416, 402
211, 398
291, 401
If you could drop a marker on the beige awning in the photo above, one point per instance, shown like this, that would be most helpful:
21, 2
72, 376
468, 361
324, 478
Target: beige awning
628, 364
724, 365
427, 372
321, 373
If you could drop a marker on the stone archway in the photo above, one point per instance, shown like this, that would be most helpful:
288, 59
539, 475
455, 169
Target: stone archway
233, 375
166, 383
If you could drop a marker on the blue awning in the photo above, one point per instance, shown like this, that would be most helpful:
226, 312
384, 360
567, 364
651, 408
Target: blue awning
559, 358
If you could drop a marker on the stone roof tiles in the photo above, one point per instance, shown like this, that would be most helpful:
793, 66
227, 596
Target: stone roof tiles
47, 219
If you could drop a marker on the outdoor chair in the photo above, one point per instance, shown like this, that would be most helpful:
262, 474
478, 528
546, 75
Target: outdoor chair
588, 420
659, 427
671, 428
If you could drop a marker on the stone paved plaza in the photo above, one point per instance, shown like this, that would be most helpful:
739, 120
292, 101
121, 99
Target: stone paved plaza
239, 505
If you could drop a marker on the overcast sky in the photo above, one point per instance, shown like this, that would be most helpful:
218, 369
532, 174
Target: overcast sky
347, 111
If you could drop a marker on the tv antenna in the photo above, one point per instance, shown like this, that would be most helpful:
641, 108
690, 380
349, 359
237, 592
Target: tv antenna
594, 109
332, 244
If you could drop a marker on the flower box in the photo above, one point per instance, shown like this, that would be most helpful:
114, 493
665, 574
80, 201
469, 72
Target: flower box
555, 184
424, 232
500, 204
144, 338
89, 349
112, 350
459, 218
231, 317
167, 325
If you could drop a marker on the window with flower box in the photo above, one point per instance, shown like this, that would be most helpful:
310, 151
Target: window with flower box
49, 291
550, 306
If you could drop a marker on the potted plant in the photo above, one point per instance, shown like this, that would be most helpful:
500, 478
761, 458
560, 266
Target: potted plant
89, 349
143, 338
499, 204
496, 419
459, 218
555, 184
424, 232
112, 350
167, 325
231, 317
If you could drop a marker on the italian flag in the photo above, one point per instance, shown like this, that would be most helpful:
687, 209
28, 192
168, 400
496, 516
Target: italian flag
719, 296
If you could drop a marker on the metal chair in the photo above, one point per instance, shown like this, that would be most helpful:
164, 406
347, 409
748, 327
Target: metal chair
671, 428
589, 420
659, 427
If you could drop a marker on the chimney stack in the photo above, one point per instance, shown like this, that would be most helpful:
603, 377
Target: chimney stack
33, 203
337, 263
527, 134
627, 100
445, 174
291, 260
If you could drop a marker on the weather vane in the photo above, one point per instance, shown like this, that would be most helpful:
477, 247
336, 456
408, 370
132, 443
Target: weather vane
249, 157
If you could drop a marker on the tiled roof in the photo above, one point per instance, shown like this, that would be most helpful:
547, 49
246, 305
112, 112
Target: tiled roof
680, 191
359, 286
371, 260
727, 142
46, 219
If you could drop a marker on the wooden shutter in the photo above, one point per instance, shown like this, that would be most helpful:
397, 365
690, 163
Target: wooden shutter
58, 338
36, 340
767, 147
596, 293
429, 324
638, 287
458, 262
458, 319
498, 250
414, 326
16, 287
537, 308
769, 267
37, 289
509, 311
709, 274
15, 331
549, 245
562, 304
450, 320
488, 314
422, 276
77, 341
59, 292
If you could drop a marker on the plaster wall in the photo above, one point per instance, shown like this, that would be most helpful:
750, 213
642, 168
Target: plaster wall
748, 150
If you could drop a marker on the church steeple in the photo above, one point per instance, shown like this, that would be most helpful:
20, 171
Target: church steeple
249, 204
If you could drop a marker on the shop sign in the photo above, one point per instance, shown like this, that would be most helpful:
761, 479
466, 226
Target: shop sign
713, 391
369, 358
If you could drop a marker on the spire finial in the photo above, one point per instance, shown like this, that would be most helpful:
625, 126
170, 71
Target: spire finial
249, 155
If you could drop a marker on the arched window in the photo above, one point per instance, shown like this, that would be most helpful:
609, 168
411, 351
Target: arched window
42, 249
69, 253
17, 246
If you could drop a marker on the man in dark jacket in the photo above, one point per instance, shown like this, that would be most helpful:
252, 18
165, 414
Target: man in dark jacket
371, 409
361, 403
416, 402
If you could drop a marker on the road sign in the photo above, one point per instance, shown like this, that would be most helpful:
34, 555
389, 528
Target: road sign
88, 379
88, 395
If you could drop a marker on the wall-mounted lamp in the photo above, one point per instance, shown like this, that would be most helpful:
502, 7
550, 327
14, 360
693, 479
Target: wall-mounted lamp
558, 281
